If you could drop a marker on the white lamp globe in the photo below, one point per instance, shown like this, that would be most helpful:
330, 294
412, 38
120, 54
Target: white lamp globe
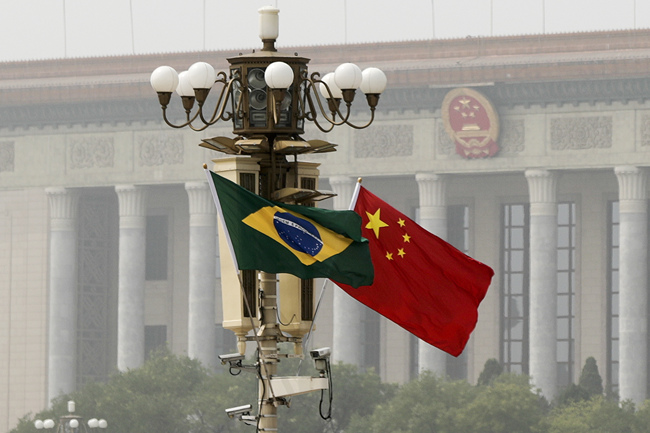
74, 423
278, 75
93, 423
374, 81
164, 79
48, 423
348, 76
202, 75
184, 87
102, 423
38, 424
336, 90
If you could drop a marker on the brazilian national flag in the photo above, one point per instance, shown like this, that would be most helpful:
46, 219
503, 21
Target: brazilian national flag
303, 241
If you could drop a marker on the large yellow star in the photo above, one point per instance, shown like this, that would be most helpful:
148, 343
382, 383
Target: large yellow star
375, 222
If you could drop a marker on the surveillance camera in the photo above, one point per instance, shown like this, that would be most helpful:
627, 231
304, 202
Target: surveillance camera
249, 419
323, 352
239, 410
231, 358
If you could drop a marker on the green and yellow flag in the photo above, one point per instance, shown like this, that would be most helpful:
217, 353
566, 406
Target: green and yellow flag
303, 241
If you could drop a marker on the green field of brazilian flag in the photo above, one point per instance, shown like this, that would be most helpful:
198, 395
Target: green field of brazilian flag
303, 241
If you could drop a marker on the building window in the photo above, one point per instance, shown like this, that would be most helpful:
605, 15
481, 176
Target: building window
514, 288
371, 339
96, 249
156, 247
458, 236
566, 242
613, 222
155, 338
414, 343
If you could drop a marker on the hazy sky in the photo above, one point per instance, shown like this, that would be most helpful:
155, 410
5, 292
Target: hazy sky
38, 29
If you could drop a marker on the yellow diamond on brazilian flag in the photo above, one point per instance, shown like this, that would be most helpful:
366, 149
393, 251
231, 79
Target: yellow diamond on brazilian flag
303, 241
308, 240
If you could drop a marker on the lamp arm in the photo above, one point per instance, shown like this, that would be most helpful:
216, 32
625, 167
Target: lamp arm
221, 102
313, 118
311, 84
312, 114
372, 118
182, 125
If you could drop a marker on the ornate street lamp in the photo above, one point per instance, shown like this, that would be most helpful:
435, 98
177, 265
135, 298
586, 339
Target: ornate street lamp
70, 423
268, 96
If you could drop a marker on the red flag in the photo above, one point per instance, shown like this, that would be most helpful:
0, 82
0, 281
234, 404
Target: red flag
422, 283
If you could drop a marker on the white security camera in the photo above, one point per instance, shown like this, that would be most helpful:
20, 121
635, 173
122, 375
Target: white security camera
322, 353
231, 358
239, 410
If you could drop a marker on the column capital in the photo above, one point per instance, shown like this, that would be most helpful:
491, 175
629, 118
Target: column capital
343, 186
433, 189
201, 204
632, 188
542, 190
63, 208
132, 205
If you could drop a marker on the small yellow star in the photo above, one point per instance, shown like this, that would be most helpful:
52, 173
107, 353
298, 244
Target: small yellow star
400, 252
375, 222
389, 256
407, 238
401, 222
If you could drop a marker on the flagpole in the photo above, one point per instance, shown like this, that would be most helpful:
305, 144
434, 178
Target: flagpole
355, 194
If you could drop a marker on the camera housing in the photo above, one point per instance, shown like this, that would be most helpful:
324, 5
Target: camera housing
231, 358
239, 410
321, 353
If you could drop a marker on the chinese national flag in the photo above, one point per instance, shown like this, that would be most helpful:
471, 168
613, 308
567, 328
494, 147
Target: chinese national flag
421, 283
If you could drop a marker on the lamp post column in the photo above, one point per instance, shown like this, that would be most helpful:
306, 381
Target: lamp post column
542, 186
63, 287
633, 286
347, 333
202, 262
130, 309
433, 217
268, 358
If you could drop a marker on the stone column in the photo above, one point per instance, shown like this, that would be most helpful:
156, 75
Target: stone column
433, 217
130, 308
542, 187
62, 292
347, 335
633, 274
201, 341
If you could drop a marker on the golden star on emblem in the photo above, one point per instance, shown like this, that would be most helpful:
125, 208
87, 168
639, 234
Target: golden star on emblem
401, 222
389, 256
464, 102
407, 238
400, 252
375, 222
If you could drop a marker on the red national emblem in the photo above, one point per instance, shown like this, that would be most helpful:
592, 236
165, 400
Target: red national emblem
472, 122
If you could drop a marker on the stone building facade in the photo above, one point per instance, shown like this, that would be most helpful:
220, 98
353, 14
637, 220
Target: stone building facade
104, 215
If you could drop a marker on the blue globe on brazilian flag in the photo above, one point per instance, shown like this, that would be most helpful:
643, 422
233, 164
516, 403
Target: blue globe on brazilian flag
303, 241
